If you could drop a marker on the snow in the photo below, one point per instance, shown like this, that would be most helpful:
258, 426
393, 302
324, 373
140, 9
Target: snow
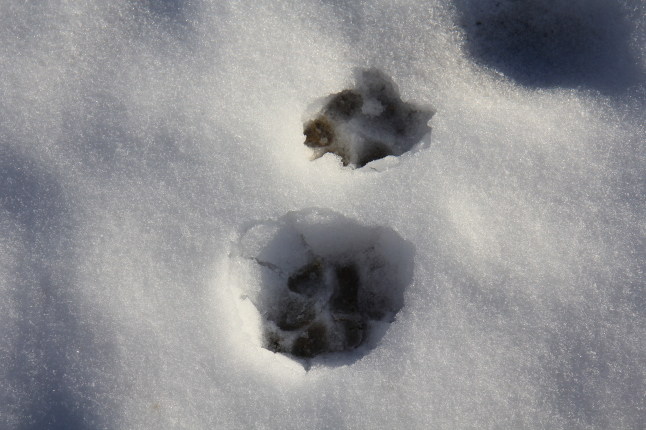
140, 139
321, 284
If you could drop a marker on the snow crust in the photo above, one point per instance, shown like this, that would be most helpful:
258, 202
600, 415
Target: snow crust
139, 138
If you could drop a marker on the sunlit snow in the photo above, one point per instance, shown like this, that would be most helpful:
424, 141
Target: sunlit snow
141, 139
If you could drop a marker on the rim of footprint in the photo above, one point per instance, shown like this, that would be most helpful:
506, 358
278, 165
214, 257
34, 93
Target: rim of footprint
366, 123
323, 285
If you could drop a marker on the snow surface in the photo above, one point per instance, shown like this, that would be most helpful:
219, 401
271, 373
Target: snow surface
138, 138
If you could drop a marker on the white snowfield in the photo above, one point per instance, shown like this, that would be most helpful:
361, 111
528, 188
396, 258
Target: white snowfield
140, 140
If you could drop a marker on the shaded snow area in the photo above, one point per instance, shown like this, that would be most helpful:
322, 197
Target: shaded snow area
460, 243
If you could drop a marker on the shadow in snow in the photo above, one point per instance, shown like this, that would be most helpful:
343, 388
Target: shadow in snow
174, 15
549, 43
45, 386
172, 9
